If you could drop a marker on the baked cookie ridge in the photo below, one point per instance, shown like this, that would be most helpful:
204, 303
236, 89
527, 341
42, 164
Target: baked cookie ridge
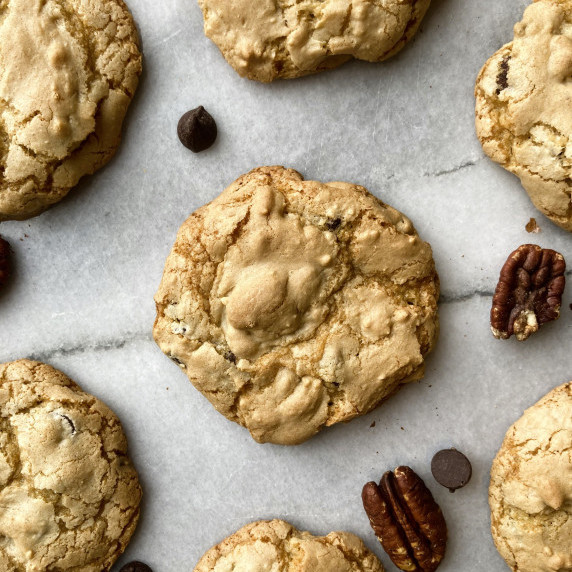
294, 304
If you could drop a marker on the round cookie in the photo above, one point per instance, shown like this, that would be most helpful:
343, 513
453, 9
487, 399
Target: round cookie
530, 492
295, 304
272, 39
69, 495
68, 71
277, 545
524, 107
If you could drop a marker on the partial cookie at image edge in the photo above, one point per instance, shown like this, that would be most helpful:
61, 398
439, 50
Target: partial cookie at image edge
522, 112
264, 545
530, 491
69, 493
67, 122
265, 40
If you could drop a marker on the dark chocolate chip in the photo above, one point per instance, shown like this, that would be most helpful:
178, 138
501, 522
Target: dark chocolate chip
502, 77
5, 261
197, 129
334, 224
70, 422
136, 567
451, 469
230, 357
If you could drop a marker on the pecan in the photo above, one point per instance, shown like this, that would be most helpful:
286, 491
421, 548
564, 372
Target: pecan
529, 292
4, 261
406, 520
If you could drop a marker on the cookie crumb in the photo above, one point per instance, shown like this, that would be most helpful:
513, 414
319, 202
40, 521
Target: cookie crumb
532, 226
373, 424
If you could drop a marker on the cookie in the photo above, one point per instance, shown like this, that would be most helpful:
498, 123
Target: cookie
530, 492
295, 304
69, 495
524, 107
68, 71
273, 39
277, 545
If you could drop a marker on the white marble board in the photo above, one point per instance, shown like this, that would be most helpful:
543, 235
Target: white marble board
86, 272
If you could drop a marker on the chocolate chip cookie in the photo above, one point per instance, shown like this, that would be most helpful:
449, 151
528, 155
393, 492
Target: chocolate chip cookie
272, 39
530, 492
295, 304
69, 495
277, 545
524, 107
68, 71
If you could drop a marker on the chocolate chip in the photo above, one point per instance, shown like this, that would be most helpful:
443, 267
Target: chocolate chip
334, 224
70, 422
197, 129
451, 469
5, 261
502, 77
136, 567
230, 357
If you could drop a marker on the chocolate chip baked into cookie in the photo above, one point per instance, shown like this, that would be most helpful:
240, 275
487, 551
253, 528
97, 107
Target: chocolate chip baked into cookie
271, 39
530, 492
68, 71
295, 304
524, 107
277, 545
69, 495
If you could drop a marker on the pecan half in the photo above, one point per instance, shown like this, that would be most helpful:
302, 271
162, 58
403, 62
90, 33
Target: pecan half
406, 520
4, 261
529, 292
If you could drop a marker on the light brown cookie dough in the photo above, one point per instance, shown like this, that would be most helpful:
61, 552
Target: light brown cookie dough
271, 39
276, 546
524, 107
295, 304
530, 491
68, 71
69, 496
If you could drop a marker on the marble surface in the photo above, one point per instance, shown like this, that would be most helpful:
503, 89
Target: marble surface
86, 272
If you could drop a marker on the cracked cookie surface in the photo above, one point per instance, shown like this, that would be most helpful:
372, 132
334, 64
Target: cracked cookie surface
68, 71
524, 107
530, 492
277, 546
295, 304
69, 495
272, 39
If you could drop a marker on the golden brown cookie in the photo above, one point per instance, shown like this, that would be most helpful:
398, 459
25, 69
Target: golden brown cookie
69, 495
530, 492
68, 71
271, 39
295, 304
270, 545
524, 107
